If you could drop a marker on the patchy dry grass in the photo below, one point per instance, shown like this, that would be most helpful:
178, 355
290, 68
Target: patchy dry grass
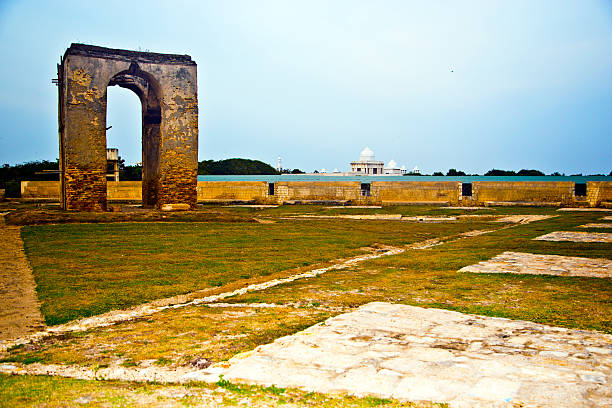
175, 337
51, 392
87, 269
429, 278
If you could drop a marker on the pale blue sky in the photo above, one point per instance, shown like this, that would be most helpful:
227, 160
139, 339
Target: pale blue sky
317, 81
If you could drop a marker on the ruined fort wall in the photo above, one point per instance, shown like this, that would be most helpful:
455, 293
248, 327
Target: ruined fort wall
414, 192
410, 192
529, 192
124, 190
213, 191
40, 190
599, 193
317, 190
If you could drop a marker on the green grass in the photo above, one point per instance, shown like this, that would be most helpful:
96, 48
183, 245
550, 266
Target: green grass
54, 392
87, 269
429, 278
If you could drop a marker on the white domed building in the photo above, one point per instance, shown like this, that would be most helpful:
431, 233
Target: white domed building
367, 164
393, 170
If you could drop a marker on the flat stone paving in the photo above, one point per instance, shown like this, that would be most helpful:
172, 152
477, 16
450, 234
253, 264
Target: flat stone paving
418, 354
576, 236
535, 264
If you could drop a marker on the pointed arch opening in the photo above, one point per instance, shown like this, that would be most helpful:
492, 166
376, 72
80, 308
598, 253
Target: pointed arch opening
149, 92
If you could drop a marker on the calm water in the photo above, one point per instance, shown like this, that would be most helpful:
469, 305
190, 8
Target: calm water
367, 179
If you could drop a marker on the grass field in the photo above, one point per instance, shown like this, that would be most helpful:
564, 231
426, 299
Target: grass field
84, 269
429, 278
87, 269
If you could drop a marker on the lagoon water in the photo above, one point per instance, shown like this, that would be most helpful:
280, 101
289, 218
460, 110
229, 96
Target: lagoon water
368, 179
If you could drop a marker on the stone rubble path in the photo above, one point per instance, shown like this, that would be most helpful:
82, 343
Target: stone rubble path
336, 207
524, 219
417, 354
596, 225
19, 307
534, 264
584, 209
514, 219
465, 208
576, 236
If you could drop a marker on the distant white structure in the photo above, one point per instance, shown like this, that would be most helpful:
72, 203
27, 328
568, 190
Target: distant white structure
112, 164
367, 164
392, 169
323, 170
416, 170
278, 164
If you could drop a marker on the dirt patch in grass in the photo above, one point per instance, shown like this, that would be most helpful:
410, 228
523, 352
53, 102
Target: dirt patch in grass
19, 306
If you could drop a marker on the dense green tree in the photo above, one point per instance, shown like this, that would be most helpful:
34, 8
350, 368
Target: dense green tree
130, 173
497, 172
12, 176
438, 173
235, 167
454, 172
525, 172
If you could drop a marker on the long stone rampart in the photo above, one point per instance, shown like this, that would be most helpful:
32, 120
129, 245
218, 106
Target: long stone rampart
599, 193
527, 192
220, 191
417, 192
553, 193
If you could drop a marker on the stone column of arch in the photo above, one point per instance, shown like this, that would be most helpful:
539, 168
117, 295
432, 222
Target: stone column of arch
167, 87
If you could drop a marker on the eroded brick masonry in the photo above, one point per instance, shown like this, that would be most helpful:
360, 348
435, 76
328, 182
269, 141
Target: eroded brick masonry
167, 87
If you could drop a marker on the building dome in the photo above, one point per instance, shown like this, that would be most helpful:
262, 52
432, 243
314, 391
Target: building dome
391, 165
366, 155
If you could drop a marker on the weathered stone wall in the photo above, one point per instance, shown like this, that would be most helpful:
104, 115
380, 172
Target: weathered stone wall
124, 190
483, 193
415, 192
317, 190
40, 190
529, 192
599, 192
167, 87
218, 191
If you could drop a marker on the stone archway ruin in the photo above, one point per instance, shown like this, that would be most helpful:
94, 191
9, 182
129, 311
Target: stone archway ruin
167, 87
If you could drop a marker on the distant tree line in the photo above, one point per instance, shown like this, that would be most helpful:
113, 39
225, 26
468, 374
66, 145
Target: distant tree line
497, 172
11, 176
235, 167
